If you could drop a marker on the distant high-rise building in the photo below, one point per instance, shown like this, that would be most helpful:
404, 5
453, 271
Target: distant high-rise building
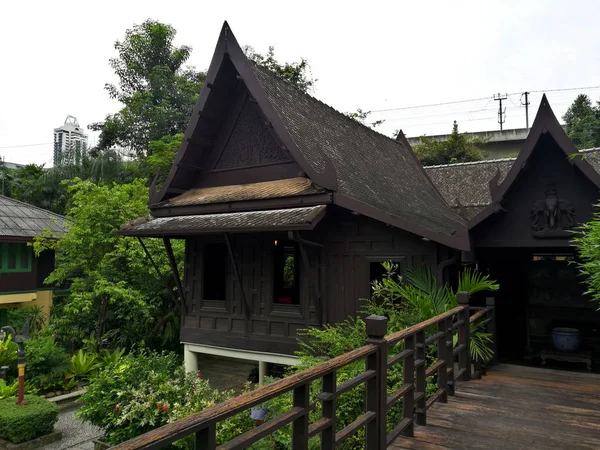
70, 143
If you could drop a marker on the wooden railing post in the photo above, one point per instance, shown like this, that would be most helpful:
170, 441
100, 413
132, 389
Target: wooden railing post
491, 328
377, 386
450, 357
206, 438
421, 384
329, 388
408, 406
464, 336
442, 355
300, 425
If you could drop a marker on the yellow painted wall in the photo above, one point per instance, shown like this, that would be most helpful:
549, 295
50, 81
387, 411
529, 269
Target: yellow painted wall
43, 299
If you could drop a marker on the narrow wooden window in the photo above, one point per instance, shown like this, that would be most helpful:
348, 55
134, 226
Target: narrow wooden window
214, 277
286, 266
15, 257
12, 254
376, 271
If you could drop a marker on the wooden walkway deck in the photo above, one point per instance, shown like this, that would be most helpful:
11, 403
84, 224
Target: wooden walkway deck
515, 407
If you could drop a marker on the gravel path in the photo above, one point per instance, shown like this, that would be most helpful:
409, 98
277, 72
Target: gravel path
77, 435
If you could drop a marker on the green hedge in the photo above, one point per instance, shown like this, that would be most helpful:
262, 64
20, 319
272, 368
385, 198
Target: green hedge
20, 423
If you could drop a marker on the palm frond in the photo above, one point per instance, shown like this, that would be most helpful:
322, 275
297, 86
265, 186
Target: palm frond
480, 346
472, 281
422, 279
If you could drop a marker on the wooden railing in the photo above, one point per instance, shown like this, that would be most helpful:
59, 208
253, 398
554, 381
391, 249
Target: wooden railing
410, 349
484, 319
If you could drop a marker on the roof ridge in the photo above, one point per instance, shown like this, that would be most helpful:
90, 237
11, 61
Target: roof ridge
33, 207
591, 149
471, 163
346, 117
484, 161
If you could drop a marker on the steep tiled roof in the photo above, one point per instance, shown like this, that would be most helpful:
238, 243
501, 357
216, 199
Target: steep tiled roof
18, 219
287, 187
465, 186
285, 219
370, 168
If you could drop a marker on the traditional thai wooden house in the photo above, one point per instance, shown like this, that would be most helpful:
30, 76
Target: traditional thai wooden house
287, 208
22, 274
520, 213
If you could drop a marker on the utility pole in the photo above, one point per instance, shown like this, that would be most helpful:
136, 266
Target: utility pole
501, 112
526, 104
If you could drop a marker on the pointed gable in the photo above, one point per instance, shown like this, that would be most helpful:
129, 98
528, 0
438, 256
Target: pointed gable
545, 126
247, 117
251, 142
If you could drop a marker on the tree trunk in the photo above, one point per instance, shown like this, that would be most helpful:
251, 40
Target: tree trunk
102, 312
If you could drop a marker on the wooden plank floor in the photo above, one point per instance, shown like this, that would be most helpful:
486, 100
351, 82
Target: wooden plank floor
515, 407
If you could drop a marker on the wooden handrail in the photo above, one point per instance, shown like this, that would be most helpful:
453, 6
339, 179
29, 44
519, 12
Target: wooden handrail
480, 314
402, 334
172, 432
411, 354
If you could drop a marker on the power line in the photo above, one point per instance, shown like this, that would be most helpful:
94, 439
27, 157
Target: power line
565, 89
27, 145
585, 88
427, 106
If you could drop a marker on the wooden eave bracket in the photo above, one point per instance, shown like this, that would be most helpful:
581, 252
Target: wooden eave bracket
174, 271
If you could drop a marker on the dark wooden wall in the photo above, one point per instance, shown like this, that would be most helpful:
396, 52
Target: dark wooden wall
353, 243
29, 281
535, 296
272, 327
547, 165
340, 270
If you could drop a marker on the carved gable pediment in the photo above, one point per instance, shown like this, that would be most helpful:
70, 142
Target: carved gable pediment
251, 143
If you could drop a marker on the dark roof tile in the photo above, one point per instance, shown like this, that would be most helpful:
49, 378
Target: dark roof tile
287, 219
466, 185
370, 167
18, 219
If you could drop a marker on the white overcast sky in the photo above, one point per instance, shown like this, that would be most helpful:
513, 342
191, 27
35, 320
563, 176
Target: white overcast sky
372, 55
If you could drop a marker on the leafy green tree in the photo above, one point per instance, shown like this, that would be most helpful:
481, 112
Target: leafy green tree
361, 116
582, 121
115, 293
45, 188
5, 179
587, 242
457, 148
297, 73
156, 88
161, 156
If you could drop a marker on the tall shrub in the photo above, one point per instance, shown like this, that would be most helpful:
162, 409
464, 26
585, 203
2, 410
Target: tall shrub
587, 241
115, 293
145, 390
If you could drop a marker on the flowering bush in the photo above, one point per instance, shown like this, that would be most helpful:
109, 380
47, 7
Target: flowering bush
145, 390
